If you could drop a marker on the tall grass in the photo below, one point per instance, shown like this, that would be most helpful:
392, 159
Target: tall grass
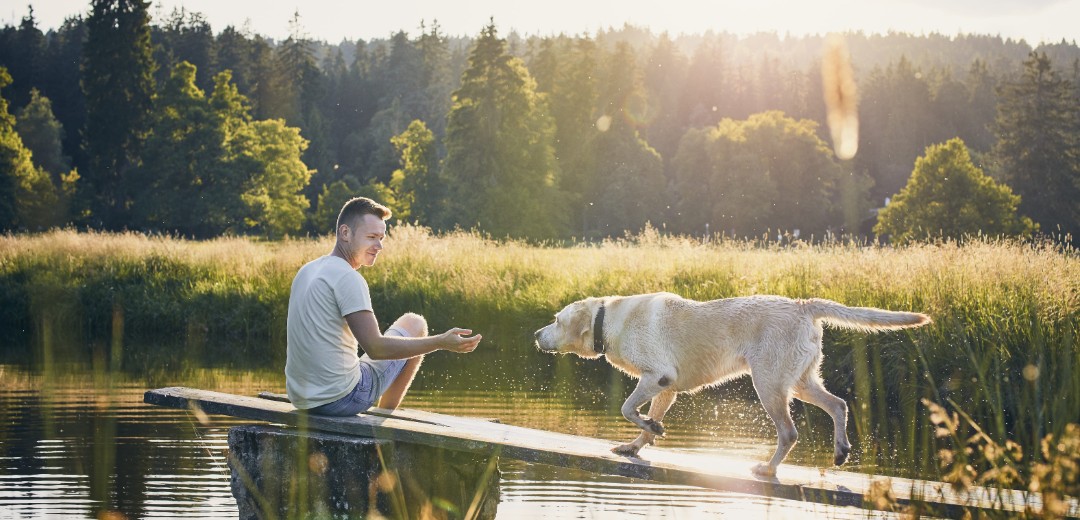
1002, 345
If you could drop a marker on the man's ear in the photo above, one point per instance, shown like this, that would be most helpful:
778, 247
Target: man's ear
343, 232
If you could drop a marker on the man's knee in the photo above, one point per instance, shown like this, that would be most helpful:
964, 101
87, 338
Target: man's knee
413, 324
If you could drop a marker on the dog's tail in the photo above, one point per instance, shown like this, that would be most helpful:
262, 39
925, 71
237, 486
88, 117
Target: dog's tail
868, 319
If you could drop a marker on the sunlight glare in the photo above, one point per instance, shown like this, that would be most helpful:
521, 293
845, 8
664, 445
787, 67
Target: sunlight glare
838, 85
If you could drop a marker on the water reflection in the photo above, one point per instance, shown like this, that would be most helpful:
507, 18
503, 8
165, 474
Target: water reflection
77, 441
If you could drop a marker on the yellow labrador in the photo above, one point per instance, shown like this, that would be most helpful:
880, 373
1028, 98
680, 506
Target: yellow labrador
672, 344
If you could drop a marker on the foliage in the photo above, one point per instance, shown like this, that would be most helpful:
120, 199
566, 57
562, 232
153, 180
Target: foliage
627, 187
948, 197
209, 169
500, 161
746, 177
1038, 129
117, 79
41, 133
182, 184
272, 196
416, 183
350, 98
975, 458
28, 198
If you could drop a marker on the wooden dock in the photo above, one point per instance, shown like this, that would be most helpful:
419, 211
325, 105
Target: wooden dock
826, 486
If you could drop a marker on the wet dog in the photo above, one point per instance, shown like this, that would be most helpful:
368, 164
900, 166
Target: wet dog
672, 344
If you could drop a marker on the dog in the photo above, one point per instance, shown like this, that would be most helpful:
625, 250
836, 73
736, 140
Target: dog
672, 345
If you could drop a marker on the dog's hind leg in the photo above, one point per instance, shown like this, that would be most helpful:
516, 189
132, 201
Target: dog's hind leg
649, 386
659, 406
812, 391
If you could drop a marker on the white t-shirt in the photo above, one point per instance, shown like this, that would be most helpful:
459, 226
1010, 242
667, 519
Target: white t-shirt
322, 359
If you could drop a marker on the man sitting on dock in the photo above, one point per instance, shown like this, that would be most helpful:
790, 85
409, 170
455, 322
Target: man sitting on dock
330, 311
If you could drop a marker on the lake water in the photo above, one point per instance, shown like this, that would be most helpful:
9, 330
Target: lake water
76, 440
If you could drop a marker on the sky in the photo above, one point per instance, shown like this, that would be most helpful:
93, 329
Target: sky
1035, 21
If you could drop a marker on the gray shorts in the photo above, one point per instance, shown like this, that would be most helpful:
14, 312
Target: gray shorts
375, 377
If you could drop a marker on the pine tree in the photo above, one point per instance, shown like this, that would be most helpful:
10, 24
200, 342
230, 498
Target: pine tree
436, 78
185, 36
1038, 148
628, 189
62, 85
118, 80
500, 164
26, 65
573, 102
896, 119
664, 76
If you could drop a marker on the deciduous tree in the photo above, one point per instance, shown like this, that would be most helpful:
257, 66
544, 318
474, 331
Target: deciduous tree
948, 197
28, 198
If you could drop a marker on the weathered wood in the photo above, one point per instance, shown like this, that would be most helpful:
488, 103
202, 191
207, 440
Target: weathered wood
826, 486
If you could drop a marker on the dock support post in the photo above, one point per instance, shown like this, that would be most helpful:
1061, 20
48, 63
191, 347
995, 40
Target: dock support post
289, 473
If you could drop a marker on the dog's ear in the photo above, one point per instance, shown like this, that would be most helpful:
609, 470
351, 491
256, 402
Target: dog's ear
582, 318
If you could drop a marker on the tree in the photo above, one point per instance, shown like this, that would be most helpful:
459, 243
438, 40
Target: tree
947, 196
186, 36
273, 195
28, 198
183, 162
210, 169
417, 185
500, 165
1038, 148
720, 183
628, 189
802, 168
767, 172
664, 76
26, 65
118, 80
895, 122
42, 134
438, 81
62, 85
569, 73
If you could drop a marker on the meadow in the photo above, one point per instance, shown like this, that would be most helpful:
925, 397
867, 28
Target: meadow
1001, 352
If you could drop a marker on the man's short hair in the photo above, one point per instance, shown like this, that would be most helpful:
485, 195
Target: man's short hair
357, 207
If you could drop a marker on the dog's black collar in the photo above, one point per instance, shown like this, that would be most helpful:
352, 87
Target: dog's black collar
598, 331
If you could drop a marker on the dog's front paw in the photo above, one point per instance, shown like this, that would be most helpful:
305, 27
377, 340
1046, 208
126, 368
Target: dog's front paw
764, 470
626, 450
654, 427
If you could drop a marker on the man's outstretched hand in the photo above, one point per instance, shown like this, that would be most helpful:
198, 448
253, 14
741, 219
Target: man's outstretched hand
458, 340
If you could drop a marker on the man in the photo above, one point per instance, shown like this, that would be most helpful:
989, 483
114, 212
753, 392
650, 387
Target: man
330, 311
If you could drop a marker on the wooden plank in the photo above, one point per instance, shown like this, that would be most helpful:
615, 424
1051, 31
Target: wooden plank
400, 413
657, 464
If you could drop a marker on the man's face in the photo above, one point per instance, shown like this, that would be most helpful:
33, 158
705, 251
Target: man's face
366, 240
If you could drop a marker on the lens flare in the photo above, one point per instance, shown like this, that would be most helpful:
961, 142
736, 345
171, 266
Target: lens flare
841, 97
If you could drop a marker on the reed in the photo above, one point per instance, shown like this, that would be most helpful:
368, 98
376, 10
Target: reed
1002, 343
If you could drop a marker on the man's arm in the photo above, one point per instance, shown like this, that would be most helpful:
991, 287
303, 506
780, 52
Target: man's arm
365, 328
